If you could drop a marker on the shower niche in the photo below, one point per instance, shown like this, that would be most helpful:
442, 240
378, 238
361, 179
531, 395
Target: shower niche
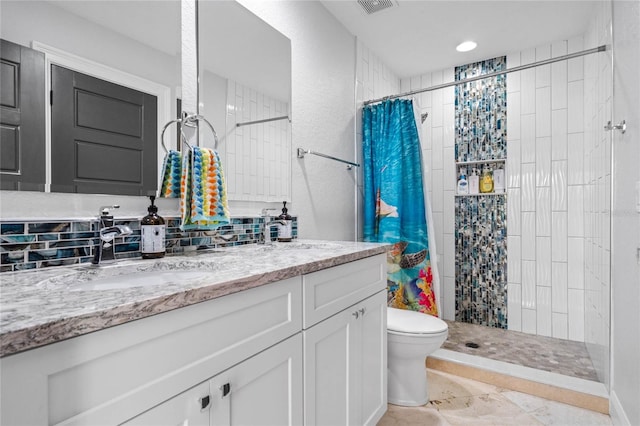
480, 209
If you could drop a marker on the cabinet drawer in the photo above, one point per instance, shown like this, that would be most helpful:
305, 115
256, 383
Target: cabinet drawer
112, 375
329, 291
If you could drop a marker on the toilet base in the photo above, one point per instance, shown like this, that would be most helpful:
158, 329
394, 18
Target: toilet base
404, 388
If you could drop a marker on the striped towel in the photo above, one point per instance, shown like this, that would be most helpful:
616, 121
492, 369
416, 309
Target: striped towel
203, 196
171, 173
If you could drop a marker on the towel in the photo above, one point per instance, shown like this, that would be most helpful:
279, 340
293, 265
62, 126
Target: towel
171, 174
203, 196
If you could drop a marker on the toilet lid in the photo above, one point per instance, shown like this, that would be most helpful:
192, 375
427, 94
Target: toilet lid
404, 321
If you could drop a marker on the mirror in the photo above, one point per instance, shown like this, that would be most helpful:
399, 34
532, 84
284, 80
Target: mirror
135, 44
140, 41
245, 78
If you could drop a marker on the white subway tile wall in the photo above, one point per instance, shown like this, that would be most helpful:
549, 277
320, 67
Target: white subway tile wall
558, 175
550, 171
258, 156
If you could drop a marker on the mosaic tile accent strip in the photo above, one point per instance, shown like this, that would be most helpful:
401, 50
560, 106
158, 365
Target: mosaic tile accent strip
481, 112
29, 245
481, 260
481, 230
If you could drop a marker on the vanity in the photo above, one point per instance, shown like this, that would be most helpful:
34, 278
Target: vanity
288, 334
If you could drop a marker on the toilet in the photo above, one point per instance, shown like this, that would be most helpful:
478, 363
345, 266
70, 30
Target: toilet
411, 337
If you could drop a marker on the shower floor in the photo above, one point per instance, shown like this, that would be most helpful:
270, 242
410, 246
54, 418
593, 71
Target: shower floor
543, 353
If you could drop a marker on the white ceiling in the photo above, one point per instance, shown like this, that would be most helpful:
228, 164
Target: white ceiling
415, 37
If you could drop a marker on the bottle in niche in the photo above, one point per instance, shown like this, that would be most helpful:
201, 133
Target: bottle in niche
463, 186
152, 233
498, 181
285, 231
486, 181
474, 182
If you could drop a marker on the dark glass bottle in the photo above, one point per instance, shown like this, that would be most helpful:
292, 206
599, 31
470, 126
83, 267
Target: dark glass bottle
152, 233
285, 231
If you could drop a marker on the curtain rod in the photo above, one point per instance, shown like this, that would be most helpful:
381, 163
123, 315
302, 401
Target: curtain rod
493, 74
266, 120
302, 152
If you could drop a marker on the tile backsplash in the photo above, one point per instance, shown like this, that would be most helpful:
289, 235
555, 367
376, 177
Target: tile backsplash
41, 244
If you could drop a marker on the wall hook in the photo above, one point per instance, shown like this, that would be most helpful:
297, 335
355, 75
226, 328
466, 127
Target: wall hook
622, 126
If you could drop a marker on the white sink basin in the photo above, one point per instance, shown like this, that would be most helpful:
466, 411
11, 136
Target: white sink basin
129, 275
140, 279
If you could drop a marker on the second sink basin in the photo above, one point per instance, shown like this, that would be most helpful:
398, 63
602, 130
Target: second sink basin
140, 279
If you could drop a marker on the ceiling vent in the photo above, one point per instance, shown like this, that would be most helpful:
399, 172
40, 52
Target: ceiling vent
373, 6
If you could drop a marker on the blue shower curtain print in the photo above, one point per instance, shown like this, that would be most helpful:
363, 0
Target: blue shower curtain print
394, 205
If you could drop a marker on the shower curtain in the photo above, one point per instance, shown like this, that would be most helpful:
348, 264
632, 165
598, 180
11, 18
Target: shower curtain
394, 203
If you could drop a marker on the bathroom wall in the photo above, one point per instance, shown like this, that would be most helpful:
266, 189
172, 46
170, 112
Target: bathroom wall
545, 192
323, 119
545, 180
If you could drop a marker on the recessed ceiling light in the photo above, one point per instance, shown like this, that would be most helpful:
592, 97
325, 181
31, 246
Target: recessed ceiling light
466, 46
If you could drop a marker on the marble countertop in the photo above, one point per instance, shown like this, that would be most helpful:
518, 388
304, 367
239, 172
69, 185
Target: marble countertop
45, 306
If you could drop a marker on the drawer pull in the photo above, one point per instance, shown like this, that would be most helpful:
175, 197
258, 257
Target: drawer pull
226, 388
204, 402
362, 311
356, 314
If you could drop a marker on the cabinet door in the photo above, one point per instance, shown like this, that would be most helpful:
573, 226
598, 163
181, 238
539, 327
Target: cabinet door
190, 408
103, 136
264, 390
329, 369
22, 122
372, 325
345, 370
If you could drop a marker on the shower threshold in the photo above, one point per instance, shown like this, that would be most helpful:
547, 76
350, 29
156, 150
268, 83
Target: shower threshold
522, 362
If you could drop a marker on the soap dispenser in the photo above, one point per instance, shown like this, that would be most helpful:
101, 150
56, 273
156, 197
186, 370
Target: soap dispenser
152, 231
463, 186
285, 231
474, 182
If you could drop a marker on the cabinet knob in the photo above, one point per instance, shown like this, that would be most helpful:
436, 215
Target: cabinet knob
356, 314
362, 311
204, 402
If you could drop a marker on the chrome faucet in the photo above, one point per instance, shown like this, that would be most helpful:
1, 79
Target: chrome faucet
265, 230
105, 250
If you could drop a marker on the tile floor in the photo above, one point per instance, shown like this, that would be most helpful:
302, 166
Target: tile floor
455, 400
555, 355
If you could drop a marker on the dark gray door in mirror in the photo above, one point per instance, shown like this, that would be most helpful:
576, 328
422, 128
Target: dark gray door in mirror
22, 124
103, 136
135, 44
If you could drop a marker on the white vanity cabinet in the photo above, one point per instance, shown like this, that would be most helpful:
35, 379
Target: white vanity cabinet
113, 375
304, 350
345, 344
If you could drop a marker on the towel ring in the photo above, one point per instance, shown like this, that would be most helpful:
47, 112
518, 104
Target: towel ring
164, 129
191, 120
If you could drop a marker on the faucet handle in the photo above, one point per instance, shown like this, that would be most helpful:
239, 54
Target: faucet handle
265, 212
104, 210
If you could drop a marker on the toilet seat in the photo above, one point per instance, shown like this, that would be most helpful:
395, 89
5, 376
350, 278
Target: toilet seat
404, 322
